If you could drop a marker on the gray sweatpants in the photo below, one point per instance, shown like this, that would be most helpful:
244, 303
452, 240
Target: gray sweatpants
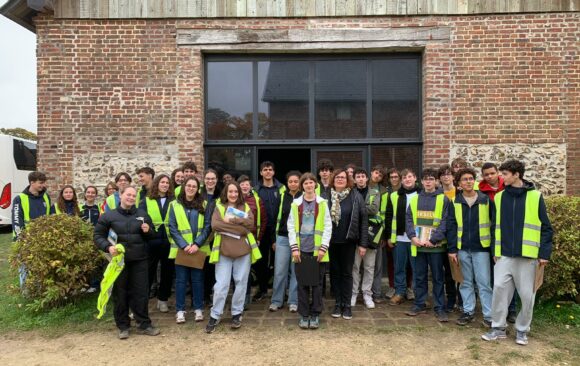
510, 274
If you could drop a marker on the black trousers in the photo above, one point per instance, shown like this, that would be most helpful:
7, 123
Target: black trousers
131, 291
262, 267
341, 262
451, 288
159, 254
307, 305
208, 280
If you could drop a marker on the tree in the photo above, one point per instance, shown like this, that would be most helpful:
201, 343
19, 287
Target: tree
19, 132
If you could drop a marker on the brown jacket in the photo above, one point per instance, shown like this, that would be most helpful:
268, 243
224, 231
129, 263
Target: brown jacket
237, 226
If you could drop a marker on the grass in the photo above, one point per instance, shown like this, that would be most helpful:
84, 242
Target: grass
74, 317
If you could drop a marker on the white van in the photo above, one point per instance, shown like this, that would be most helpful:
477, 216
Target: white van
17, 160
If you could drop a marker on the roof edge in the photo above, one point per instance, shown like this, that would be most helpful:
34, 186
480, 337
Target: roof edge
23, 11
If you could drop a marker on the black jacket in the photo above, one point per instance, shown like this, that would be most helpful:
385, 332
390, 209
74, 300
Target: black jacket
128, 230
90, 213
358, 227
286, 203
513, 208
470, 240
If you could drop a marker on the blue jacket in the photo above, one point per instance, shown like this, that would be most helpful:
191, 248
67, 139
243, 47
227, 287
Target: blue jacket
90, 213
37, 209
513, 208
199, 238
271, 198
470, 240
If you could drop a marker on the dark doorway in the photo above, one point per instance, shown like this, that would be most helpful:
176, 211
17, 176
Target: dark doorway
285, 160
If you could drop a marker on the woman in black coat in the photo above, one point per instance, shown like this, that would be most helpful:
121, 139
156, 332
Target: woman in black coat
132, 227
349, 230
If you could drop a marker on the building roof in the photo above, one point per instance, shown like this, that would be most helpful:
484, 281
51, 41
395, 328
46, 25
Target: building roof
22, 11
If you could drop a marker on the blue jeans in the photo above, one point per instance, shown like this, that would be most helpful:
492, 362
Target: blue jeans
182, 276
401, 257
475, 267
284, 267
225, 269
423, 261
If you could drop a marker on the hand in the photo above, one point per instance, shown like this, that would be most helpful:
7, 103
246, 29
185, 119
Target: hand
192, 248
543, 262
453, 257
296, 256
382, 243
390, 243
113, 250
416, 242
274, 246
428, 244
320, 256
362, 251
145, 227
495, 259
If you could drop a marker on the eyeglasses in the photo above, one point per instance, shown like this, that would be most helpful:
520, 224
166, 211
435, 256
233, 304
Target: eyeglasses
429, 178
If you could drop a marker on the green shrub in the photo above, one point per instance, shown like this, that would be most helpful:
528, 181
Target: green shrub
562, 276
59, 256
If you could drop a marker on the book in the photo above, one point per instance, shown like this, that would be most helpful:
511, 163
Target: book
234, 212
424, 232
195, 260
456, 272
539, 278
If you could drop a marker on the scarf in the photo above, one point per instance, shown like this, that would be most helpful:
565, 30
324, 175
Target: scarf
336, 198
402, 208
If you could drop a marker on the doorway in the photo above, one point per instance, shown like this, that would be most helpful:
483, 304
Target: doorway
284, 160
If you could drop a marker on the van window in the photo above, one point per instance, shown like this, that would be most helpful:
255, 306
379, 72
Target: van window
24, 155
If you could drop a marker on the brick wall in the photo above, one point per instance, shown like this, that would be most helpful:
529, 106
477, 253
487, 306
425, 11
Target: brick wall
122, 91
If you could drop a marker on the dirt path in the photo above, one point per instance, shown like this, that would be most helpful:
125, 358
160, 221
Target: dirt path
287, 345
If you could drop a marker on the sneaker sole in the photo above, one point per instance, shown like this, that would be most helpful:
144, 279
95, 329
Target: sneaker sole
236, 326
347, 317
415, 313
493, 339
180, 321
336, 316
522, 343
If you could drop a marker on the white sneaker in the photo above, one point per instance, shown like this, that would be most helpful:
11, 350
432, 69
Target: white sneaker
162, 306
180, 317
390, 292
353, 300
410, 294
293, 308
369, 303
198, 315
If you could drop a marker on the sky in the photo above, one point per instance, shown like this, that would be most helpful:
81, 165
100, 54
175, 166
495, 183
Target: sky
17, 75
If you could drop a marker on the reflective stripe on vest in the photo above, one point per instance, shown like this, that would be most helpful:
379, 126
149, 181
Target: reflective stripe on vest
437, 215
318, 227
184, 228
25, 203
279, 218
394, 202
484, 224
532, 230
215, 250
258, 211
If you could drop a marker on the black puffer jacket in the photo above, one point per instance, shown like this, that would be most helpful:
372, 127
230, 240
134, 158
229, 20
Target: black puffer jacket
128, 229
358, 228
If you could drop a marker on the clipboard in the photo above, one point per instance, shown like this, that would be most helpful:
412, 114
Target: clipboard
539, 278
195, 260
456, 271
307, 271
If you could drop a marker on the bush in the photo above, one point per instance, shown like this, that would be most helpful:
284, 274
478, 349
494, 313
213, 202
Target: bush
562, 276
59, 256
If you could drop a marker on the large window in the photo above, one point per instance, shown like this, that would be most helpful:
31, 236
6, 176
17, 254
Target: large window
370, 103
24, 155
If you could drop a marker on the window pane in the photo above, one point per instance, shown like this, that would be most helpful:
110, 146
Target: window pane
397, 156
340, 99
230, 158
229, 101
283, 100
341, 158
24, 155
396, 98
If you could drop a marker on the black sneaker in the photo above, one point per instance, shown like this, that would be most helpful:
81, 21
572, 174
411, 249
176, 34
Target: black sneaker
347, 313
337, 312
511, 318
442, 316
210, 327
124, 334
236, 321
259, 296
465, 319
150, 331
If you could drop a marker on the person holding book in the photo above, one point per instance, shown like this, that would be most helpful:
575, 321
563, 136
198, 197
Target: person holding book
426, 226
156, 203
523, 245
309, 232
234, 250
189, 227
130, 227
349, 218
469, 235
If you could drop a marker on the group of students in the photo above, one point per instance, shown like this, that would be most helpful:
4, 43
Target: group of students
345, 217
